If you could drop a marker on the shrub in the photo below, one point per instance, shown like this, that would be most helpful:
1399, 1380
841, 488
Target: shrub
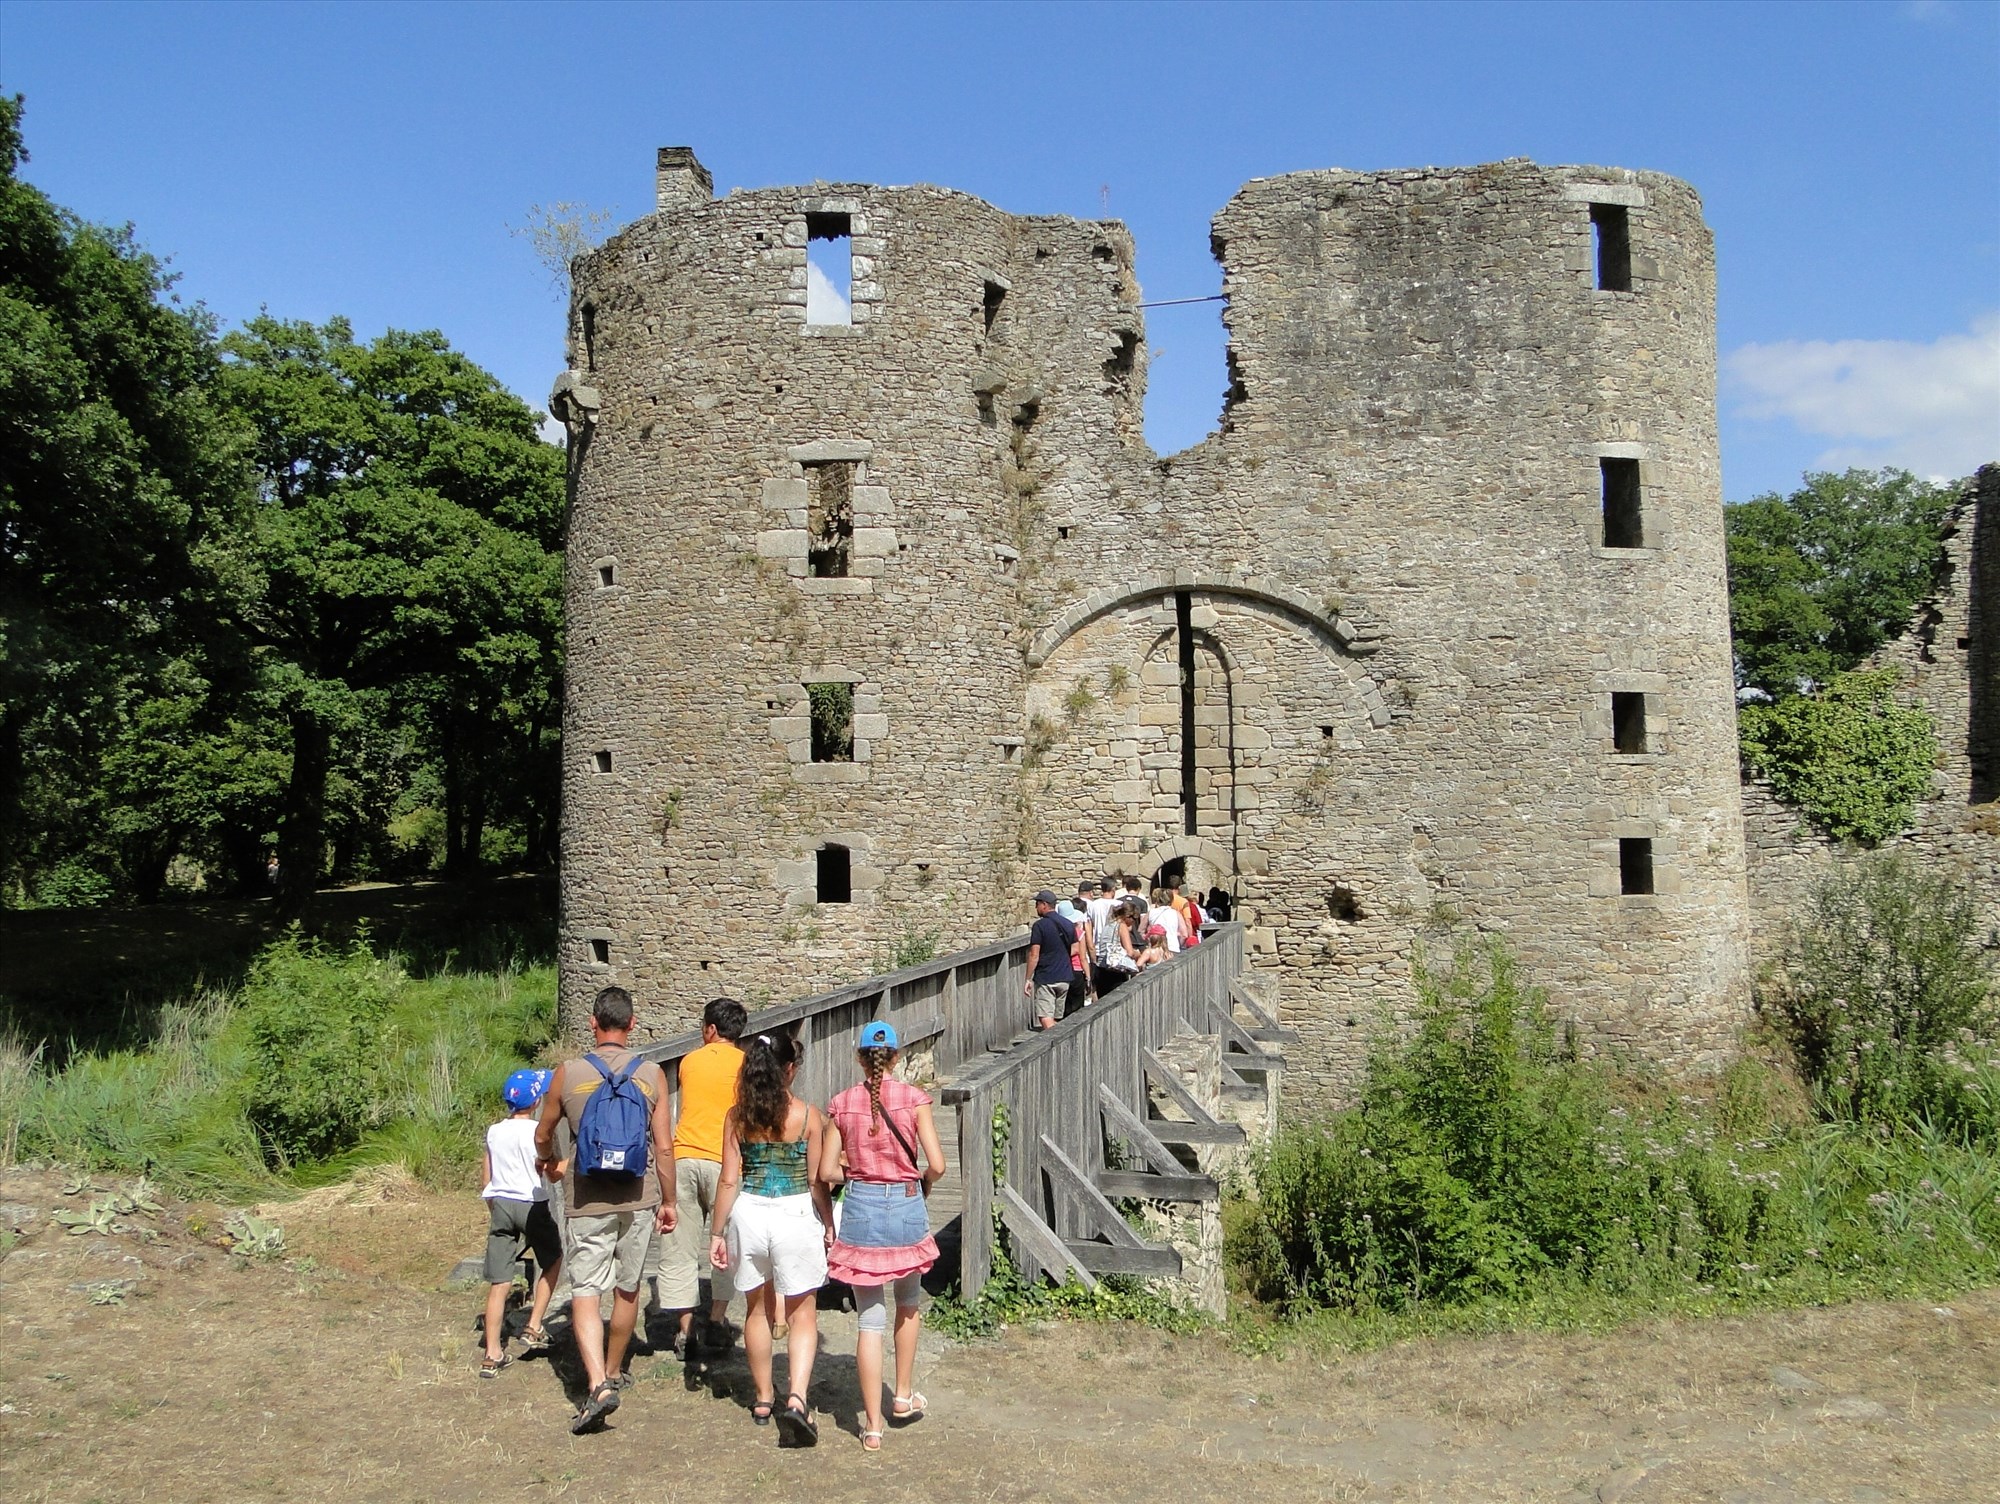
1470, 1166
1851, 758
74, 884
1885, 995
312, 1020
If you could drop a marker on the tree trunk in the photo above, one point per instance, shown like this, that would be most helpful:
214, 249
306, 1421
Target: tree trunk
10, 794
302, 828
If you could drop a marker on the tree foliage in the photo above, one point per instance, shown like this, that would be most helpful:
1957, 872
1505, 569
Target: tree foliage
1821, 578
116, 464
1851, 757
285, 583
404, 541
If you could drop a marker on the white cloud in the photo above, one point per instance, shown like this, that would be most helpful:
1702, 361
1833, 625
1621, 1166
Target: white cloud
1932, 408
824, 304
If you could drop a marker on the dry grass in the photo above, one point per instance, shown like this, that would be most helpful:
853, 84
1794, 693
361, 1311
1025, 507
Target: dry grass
351, 1380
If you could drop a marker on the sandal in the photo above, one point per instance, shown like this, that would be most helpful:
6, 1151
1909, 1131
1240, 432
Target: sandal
907, 1409
795, 1424
871, 1441
490, 1369
760, 1412
603, 1400
534, 1336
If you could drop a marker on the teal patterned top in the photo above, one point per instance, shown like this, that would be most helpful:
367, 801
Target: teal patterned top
774, 1169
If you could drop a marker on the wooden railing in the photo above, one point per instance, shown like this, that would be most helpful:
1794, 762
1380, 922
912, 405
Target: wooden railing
1062, 1095
954, 1009
1064, 1091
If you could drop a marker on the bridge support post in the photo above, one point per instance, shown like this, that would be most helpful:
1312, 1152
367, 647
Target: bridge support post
1194, 1228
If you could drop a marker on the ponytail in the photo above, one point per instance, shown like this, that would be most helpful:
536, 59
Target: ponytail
763, 1098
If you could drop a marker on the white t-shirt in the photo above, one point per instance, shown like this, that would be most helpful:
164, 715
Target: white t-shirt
510, 1145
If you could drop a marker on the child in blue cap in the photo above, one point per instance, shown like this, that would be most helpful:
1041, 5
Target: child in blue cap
517, 1212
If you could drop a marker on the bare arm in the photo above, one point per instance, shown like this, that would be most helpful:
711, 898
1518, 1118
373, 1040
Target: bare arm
815, 1161
725, 1191
663, 1160
933, 1150
1034, 960
545, 1127
831, 1170
485, 1168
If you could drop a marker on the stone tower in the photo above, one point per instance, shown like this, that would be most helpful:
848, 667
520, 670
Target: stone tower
882, 614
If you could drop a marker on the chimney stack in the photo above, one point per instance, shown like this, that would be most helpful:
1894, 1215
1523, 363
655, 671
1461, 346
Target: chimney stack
683, 181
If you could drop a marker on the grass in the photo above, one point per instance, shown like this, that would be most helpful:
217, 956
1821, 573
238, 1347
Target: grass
182, 1106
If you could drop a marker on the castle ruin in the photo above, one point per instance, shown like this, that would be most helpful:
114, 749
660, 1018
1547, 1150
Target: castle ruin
879, 623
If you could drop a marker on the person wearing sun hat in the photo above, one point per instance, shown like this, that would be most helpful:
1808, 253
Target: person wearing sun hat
873, 1132
517, 1213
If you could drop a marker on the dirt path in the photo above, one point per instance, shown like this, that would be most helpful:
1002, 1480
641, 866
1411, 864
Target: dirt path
335, 1375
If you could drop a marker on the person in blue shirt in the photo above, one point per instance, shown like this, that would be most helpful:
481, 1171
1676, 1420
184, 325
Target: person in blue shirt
1052, 961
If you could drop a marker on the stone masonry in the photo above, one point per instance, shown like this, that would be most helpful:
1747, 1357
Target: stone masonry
876, 626
1949, 662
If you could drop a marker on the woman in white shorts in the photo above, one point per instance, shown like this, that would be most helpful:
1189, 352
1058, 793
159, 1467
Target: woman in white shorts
774, 1222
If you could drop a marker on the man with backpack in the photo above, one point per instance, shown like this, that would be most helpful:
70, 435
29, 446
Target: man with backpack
620, 1189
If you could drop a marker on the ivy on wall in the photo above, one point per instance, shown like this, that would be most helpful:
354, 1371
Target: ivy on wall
1852, 758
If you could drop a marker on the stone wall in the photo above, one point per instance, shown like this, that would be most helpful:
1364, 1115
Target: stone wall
1947, 659
1352, 658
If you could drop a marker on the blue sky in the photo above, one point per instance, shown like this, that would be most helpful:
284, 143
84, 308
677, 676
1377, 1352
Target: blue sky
368, 159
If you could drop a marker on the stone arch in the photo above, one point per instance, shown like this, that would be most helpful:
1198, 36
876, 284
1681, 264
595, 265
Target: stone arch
1345, 638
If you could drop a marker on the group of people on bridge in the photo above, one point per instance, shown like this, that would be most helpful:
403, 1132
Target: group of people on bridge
1085, 947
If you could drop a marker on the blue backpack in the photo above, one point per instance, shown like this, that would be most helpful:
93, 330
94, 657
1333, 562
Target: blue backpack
612, 1134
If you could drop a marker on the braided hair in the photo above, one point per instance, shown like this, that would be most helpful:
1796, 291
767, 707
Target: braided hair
875, 1062
763, 1098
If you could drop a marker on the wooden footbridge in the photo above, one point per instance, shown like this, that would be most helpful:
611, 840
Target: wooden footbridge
1135, 1099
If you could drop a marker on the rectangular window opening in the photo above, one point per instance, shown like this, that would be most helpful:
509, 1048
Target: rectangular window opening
829, 269
590, 336
835, 877
1635, 864
830, 518
602, 758
832, 722
600, 952
1628, 722
1623, 523
1611, 227
607, 575
995, 295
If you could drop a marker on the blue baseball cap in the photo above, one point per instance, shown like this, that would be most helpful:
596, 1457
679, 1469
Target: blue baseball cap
525, 1088
877, 1035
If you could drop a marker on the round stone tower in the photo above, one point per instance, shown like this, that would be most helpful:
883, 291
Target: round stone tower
881, 614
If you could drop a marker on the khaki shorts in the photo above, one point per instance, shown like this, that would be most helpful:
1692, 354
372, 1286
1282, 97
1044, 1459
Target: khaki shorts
684, 1251
1049, 1000
609, 1252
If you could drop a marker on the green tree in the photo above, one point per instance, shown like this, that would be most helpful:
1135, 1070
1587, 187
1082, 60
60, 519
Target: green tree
1821, 578
115, 466
403, 555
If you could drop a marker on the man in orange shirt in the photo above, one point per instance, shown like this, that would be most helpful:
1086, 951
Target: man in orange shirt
707, 1092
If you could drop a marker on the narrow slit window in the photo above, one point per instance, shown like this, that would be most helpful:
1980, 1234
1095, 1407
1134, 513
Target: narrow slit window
1624, 526
1635, 865
832, 722
994, 297
600, 952
1628, 722
835, 877
830, 519
829, 269
602, 758
1611, 228
590, 336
